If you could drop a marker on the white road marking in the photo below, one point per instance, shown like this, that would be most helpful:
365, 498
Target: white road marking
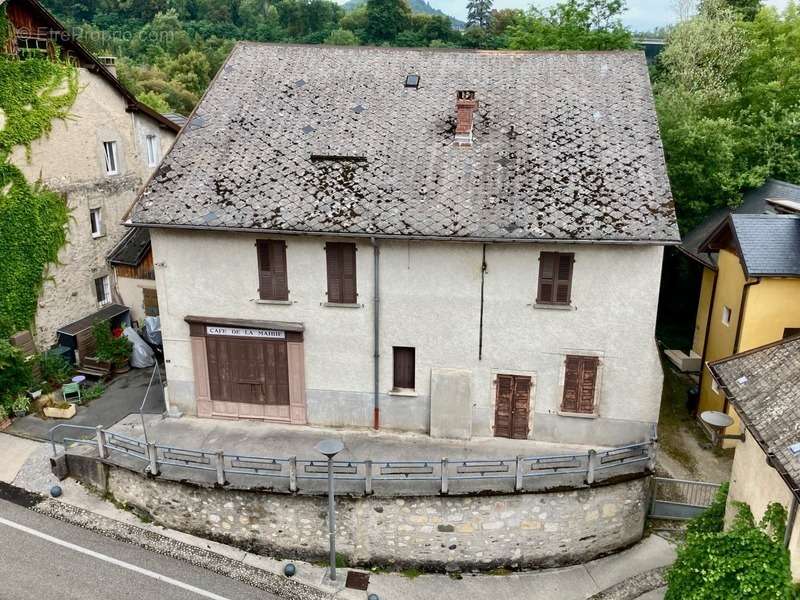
112, 560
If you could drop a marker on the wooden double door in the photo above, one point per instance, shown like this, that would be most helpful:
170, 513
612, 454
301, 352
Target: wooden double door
512, 406
248, 377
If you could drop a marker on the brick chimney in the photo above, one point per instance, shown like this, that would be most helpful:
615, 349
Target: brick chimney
466, 104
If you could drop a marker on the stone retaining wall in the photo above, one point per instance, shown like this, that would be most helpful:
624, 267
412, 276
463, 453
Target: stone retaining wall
519, 530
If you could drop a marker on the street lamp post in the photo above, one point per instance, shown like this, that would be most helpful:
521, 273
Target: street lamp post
331, 448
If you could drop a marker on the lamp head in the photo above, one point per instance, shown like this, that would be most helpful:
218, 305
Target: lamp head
330, 448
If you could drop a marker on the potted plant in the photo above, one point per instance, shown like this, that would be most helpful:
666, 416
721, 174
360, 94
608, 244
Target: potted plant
62, 410
21, 406
112, 347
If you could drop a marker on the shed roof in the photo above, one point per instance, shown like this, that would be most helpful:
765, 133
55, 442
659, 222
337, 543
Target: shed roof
132, 249
322, 139
104, 314
764, 387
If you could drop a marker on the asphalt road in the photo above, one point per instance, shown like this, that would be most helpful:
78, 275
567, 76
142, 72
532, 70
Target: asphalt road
42, 557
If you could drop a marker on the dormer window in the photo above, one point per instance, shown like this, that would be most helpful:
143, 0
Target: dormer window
32, 47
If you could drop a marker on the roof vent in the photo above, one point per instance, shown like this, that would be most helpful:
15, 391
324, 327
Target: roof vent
466, 104
412, 81
794, 449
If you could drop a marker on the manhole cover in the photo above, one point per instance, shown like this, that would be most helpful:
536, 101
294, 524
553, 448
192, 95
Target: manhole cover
357, 580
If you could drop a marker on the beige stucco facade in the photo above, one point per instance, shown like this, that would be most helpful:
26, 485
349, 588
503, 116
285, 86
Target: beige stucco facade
757, 484
430, 299
131, 292
71, 160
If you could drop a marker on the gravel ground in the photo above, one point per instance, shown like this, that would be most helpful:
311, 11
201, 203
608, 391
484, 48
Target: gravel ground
35, 475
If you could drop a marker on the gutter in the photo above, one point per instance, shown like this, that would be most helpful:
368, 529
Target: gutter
742, 306
705, 338
376, 408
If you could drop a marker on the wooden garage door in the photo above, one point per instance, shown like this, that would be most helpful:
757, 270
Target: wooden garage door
512, 406
248, 378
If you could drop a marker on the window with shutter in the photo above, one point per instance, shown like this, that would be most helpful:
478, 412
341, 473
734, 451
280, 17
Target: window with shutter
580, 384
404, 365
272, 278
341, 264
555, 278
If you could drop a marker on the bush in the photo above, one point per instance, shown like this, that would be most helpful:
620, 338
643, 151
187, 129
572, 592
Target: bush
748, 561
55, 369
21, 404
111, 349
712, 520
93, 393
15, 373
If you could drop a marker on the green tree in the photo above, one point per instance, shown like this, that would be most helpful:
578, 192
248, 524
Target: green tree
342, 37
479, 13
385, 19
748, 9
154, 100
572, 25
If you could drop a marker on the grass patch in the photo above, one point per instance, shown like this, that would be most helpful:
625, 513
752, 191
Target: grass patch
411, 573
674, 416
500, 572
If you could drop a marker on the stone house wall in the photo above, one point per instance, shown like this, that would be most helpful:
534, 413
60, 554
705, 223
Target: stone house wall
70, 160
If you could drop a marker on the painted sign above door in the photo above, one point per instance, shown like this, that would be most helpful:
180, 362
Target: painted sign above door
245, 332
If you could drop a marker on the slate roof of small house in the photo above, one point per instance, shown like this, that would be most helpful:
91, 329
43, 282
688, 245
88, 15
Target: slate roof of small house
132, 248
764, 387
769, 245
760, 200
322, 139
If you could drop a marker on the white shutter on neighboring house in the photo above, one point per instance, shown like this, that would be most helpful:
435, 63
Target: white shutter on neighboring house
153, 150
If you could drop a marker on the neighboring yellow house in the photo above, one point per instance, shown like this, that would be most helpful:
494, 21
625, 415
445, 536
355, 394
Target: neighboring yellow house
750, 294
763, 386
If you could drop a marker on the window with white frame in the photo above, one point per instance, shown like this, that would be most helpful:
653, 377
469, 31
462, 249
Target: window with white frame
102, 287
96, 221
153, 150
726, 315
112, 158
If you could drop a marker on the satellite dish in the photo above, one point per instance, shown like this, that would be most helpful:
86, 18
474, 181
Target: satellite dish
716, 419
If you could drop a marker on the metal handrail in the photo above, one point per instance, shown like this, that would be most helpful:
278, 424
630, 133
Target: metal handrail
518, 469
65, 425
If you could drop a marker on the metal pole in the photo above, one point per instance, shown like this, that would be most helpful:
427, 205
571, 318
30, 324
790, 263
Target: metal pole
331, 520
787, 536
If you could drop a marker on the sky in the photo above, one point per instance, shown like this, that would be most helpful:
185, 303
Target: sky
642, 15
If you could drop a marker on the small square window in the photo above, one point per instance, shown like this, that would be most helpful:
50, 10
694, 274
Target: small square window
112, 162
726, 315
96, 221
412, 81
102, 287
153, 150
404, 367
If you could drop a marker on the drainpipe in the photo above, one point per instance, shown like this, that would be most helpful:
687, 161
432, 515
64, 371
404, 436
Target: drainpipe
787, 537
376, 255
480, 328
705, 337
742, 305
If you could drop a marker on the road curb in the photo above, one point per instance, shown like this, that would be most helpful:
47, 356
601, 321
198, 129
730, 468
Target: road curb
237, 565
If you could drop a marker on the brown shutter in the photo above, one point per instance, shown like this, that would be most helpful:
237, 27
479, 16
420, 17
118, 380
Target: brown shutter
546, 277
571, 387
522, 393
150, 302
272, 278
341, 262
588, 381
502, 413
564, 278
404, 366
580, 381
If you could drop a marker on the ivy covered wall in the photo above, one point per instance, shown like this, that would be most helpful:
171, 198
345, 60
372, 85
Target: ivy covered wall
33, 219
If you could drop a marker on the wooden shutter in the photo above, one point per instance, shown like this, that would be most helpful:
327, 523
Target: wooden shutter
150, 302
341, 264
503, 400
521, 408
580, 382
404, 366
272, 278
555, 277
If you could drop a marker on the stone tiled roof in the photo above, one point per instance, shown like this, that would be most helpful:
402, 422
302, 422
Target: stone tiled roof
758, 200
769, 244
131, 249
322, 139
764, 387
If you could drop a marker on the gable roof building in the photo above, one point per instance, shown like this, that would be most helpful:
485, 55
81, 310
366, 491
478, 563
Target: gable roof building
307, 212
565, 148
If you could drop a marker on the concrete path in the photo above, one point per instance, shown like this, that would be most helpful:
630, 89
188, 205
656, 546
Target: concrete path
123, 396
14, 452
276, 440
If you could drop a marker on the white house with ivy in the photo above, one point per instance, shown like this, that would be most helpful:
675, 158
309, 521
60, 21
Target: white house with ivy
75, 147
